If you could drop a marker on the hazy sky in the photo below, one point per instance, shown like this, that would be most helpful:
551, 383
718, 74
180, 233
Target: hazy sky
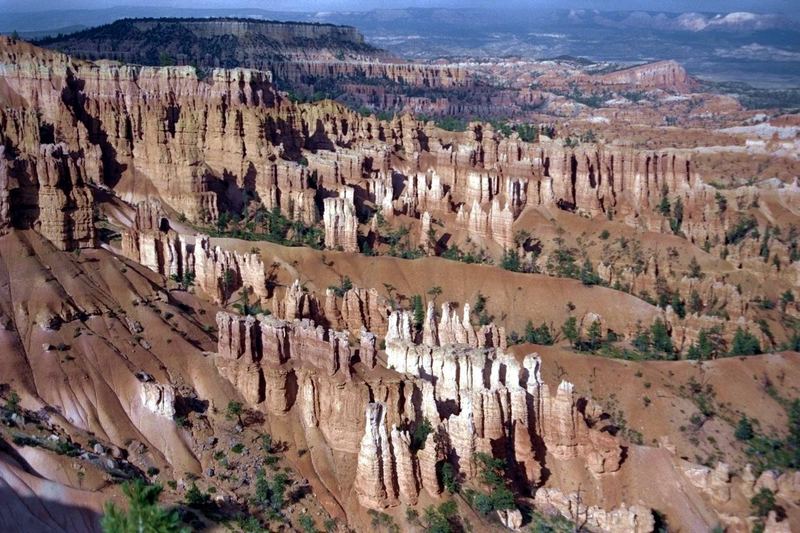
360, 5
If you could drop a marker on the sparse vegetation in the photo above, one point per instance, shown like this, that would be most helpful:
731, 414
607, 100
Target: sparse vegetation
447, 475
479, 310
744, 343
345, 284
143, 514
442, 518
234, 410
744, 225
270, 494
271, 225
420, 435
772, 452
498, 496
197, 498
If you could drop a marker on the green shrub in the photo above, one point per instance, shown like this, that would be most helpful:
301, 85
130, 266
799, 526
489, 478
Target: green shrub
744, 343
307, 523
538, 335
570, 330
588, 276
763, 502
420, 435
448, 477
744, 225
744, 429
345, 284
197, 498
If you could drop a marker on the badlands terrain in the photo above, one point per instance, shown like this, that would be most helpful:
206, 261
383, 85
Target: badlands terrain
579, 312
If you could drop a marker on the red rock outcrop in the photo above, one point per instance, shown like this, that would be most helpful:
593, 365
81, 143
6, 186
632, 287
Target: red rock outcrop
623, 519
252, 350
204, 146
5, 207
495, 400
297, 302
152, 243
494, 394
376, 475
660, 74
341, 224
233, 144
48, 190
364, 308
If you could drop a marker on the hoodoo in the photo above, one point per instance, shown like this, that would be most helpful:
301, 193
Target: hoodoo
266, 276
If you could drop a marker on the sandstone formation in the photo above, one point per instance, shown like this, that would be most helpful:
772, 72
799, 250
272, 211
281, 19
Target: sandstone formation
54, 197
379, 397
473, 397
341, 224
632, 518
481, 178
660, 74
159, 398
5, 206
294, 51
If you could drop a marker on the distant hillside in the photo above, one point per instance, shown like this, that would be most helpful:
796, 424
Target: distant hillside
215, 42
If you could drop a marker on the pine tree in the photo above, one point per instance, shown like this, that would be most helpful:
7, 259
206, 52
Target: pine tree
744, 429
434, 292
641, 341
661, 339
793, 439
543, 335
705, 346
763, 502
570, 330
722, 202
677, 217
764, 250
786, 298
419, 310
664, 207
234, 410
678, 306
588, 276
594, 334
744, 343
510, 261
143, 515
695, 302
530, 332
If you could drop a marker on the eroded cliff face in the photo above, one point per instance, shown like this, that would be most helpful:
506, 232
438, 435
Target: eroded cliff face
230, 144
341, 224
51, 195
475, 400
294, 52
659, 74
214, 146
343, 369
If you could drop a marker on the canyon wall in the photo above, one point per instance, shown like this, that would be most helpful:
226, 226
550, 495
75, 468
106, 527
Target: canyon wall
203, 146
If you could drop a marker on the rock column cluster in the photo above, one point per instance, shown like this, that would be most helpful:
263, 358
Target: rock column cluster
341, 224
